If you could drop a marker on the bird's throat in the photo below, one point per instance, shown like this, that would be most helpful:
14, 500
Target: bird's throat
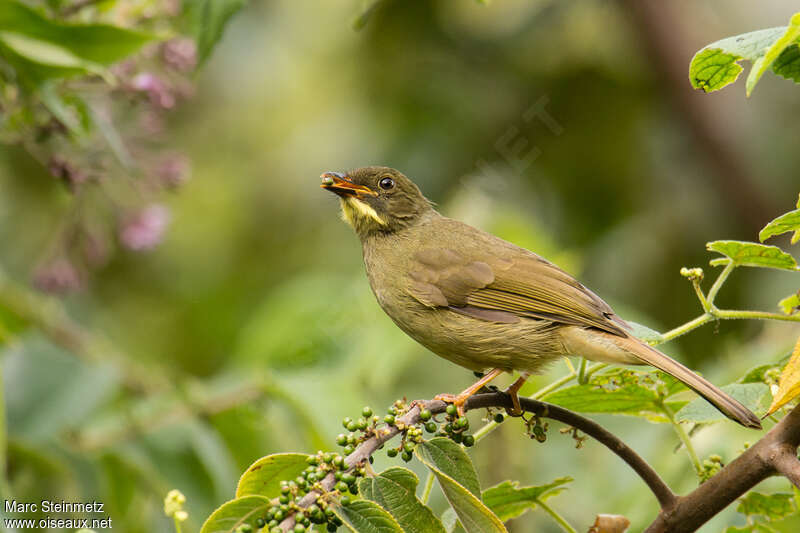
360, 215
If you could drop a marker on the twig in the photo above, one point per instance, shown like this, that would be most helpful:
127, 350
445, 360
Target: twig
662, 493
775, 453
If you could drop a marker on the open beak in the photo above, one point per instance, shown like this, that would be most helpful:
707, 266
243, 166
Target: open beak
339, 184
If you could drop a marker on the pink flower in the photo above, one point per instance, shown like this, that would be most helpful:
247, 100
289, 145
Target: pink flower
144, 229
59, 276
157, 91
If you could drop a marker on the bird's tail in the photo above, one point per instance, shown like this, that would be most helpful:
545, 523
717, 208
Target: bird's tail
722, 401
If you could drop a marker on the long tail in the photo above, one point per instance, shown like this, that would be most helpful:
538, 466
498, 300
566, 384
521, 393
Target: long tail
722, 401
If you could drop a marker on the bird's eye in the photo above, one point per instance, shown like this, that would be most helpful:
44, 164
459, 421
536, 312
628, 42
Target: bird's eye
386, 183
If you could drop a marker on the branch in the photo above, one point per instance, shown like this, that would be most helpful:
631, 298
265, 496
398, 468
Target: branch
775, 453
663, 494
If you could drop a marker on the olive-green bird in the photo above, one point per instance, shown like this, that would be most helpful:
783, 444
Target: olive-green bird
481, 302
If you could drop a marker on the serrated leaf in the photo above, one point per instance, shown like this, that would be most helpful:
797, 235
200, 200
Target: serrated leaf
395, 489
788, 383
770, 506
230, 515
508, 500
442, 458
754, 396
791, 304
364, 516
208, 19
787, 222
717, 65
451, 459
622, 391
265, 475
744, 253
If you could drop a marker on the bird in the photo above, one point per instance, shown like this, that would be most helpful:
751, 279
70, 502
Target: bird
482, 302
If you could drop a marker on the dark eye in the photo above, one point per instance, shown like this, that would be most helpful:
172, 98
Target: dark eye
386, 183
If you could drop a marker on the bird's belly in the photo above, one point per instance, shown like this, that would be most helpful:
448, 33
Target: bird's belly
478, 345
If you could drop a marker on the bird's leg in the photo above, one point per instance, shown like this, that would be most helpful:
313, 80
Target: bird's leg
513, 390
460, 399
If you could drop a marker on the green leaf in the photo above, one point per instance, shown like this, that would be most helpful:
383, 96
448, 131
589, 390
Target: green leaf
208, 19
364, 516
451, 459
450, 463
622, 391
771, 506
101, 44
395, 489
752, 254
265, 475
228, 517
787, 222
508, 500
790, 304
449, 520
717, 65
754, 396
789, 38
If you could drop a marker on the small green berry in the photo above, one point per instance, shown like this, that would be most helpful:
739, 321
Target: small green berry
425, 415
341, 439
431, 427
260, 523
498, 418
389, 419
408, 446
349, 449
366, 412
283, 498
451, 409
331, 528
299, 528
272, 523
338, 461
345, 501
392, 410
346, 421
362, 423
407, 456
341, 486
391, 452
352, 426
469, 440
461, 422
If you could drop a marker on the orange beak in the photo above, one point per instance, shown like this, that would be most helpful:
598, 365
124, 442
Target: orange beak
339, 184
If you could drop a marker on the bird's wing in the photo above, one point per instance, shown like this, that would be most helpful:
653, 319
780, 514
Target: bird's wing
505, 290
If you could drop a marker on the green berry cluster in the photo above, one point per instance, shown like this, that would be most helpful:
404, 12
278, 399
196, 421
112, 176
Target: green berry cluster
710, 467
537, 429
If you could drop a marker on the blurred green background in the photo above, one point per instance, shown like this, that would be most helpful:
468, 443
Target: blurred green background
253, 323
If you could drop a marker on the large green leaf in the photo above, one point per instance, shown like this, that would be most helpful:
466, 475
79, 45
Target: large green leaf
622, 391
753, 254
364, 516
717, 65
101, 44
395, 489
452, 460
754, 396
459, 482
265, 475
508, 500
208, 19
228, 517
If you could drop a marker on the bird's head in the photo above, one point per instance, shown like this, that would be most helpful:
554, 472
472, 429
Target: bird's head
377, 199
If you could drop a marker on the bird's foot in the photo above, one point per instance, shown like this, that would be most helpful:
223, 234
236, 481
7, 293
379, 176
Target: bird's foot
513, 391
459, 400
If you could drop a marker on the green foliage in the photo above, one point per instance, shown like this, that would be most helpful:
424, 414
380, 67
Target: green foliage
235, 513
752, 254
207, 19
625, 392
364, 516
508, 500
787, 222
264, 477
40, 48
763, 510
716, 65
754, 396
459, 482
394, 489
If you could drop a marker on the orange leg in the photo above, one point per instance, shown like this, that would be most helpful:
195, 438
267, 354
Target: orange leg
460, 399
513, 390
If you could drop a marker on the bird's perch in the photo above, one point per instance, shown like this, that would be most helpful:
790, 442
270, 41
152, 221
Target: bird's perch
774, 454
